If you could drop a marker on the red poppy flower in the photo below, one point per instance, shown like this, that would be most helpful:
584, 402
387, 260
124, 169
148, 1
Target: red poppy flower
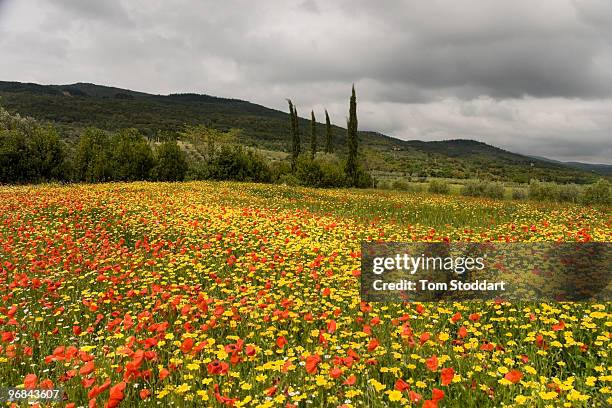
558, 326
87, 368
311, 363
163, 373
30, 381
432, 363
217, 367
116, 395
415, 397
281, 342
350, 380
437, 394
401, 385
447, 375
513, 376
187, 345
331, 326
335, 372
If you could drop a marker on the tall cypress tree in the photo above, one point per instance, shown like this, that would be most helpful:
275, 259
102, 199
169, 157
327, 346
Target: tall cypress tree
313, 135
351, 138
297, 142
329, 136
295, 137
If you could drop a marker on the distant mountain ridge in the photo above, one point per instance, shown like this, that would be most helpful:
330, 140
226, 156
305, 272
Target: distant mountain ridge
598, 168
80, 105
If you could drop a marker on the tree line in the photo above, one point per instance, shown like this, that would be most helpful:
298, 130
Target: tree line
327, 170
32, 152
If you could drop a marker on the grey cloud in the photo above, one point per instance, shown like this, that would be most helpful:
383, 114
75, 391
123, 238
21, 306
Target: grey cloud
520, 74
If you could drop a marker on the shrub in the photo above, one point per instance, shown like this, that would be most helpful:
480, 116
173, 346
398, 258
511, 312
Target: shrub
279, 169
483, 189
400, 184
171, 162
320, 172
543, 191
598, 193
519, 194
473, 188
494, 190
439, 187
365, 179
238, 163
569, 193
92, 161
29, 152
332, 171
14, 157
289, 180
385, 185
132, 157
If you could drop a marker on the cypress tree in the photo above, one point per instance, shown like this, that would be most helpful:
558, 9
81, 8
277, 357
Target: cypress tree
295, 136
297, 143
313, 135
351, 138
329, 136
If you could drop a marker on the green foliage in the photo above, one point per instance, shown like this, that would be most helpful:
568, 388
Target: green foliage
240, 164
15, 166
329, 134
352, 172
171, 162
400, 185
323, 171
598, 193
78, 106
439, 187
570, 193
495, 190
46, 154
131, 155
208, 140
289, 180
543, 191
29, 152
473, 188
519, 194
483, 189
93, 157
279, 169
295, 135
313, 135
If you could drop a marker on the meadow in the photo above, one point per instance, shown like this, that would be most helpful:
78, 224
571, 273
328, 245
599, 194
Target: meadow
235, 294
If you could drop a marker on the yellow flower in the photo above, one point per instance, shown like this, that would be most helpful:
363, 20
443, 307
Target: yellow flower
548, 395
377, 386
394, 395
181, 389
520, 399
320, 380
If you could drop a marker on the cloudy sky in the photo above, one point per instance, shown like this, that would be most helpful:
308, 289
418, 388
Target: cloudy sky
530, 76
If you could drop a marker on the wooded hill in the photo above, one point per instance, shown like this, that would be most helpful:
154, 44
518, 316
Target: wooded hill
77, 106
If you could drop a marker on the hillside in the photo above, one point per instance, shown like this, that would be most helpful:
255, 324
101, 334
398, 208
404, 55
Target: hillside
80, 105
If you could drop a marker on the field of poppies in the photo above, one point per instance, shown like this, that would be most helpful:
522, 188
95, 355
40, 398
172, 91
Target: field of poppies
230, 294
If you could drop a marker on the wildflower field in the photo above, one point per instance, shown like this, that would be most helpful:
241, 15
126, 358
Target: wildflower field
230, 294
